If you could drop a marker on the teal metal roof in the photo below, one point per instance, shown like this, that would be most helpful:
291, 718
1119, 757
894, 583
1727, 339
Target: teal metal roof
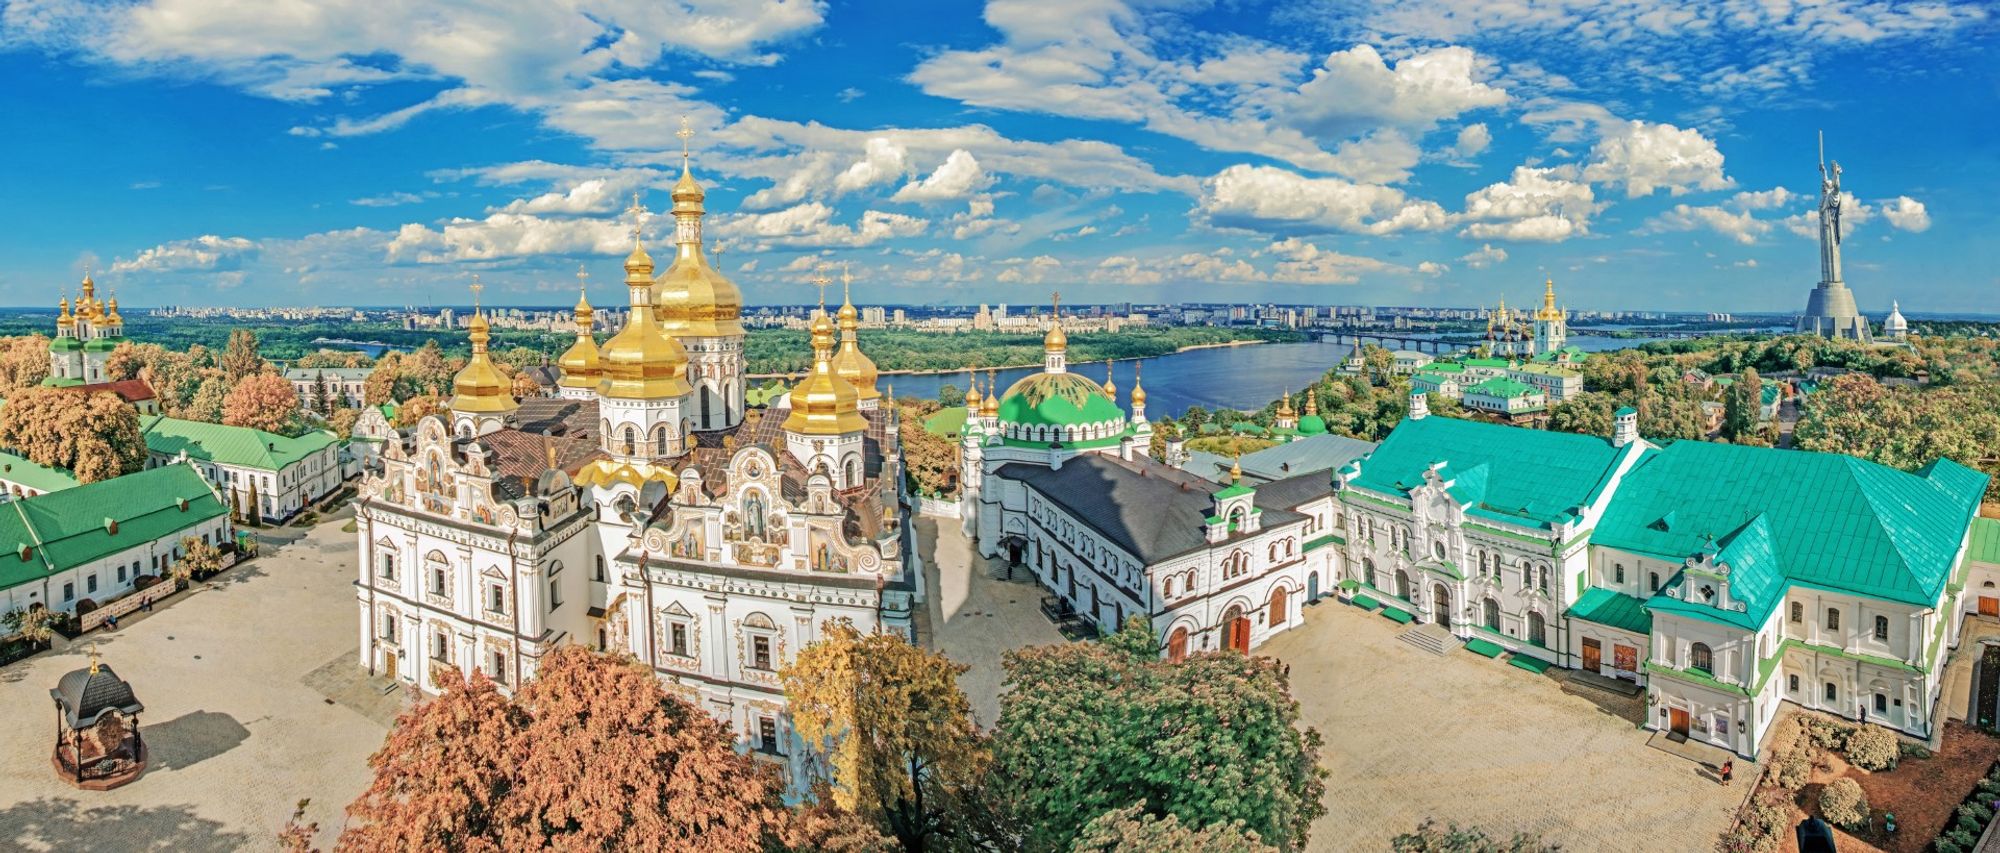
1502, 387
231, 445
1784, 516
1614, 609
1523, 476
41, 478
74, 527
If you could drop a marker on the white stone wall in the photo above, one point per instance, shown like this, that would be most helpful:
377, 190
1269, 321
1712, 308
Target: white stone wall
113, 575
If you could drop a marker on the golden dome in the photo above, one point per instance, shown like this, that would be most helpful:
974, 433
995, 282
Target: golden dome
693, 297
850, 364
1549, 311
1138, 385
972, 395
1110, 384
64, 319
581, 364
480, 386
1056, 341
641, 362
112, 316
824, 404
1285, 405
990, 407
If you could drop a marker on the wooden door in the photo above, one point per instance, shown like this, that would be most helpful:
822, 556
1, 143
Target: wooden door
1989, 606
389, 664
1177, 645
1236, 630
1677, 721
1593, 655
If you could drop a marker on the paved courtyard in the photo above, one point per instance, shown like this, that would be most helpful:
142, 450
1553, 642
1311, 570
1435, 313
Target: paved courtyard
976, 613
1467, 739
235, 677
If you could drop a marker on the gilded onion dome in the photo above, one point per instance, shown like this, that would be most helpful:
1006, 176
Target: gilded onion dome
1110, 384
693, 297
1312, 423
111, 316
1549, 311
65, 319
582, 364
849, 363
1285, 406
1056, 340
824, 404
1057, 398
641, 362
86, 305
1138, 386
480, 386
972, 394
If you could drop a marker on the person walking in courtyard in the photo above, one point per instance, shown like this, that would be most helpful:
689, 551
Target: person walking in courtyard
1728, 770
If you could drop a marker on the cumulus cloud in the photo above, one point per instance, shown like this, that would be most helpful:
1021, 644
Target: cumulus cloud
1274, 199
958, 177
1300, 262
1355, 90
1535, 204
1433, 268
1472, 139
1763, 199
1738, 225
1906, 214
504, 236
1484, 257
882, 161
811, 225
1027, 270
1644, 157
393, 199
207, 252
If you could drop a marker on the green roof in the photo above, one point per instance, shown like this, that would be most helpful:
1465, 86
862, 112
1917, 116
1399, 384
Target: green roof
1502, 387
1523, 476
1398, 616
229, 445
1614, 609
1483, 648
762, 395
100, 345
1778, 517
41, 478
1366, 603
1438, 367
73, 527
1312, 425
1985, 545
1488, 362
947, 422
62, 382
1532, 664
65, 345
1061, 399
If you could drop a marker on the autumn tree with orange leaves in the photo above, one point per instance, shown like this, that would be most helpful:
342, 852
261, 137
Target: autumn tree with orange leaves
95, 436
263, 401
592, 754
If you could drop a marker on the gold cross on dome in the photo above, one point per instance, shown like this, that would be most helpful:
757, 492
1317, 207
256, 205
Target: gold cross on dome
1055, 303
820, 280
685, 133
846, 280
582, 279
476, 287
638, 213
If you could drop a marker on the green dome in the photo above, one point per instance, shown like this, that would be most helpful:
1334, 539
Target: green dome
1058, 399
65, 345
100, 345
1312, 425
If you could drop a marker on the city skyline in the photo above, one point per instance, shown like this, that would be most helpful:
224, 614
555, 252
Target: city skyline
1647, 158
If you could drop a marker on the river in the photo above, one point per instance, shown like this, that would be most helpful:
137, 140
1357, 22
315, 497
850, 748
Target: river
1243, 377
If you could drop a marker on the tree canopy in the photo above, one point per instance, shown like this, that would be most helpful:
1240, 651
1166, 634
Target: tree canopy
94, 436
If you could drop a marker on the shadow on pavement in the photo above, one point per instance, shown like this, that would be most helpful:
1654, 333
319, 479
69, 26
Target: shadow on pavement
191, 738
63, 824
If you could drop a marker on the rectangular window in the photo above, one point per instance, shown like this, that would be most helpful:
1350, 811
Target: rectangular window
1832, 619
1882, 628
1621, 573
677, 639
1832, 692
1792, 683
496, 598
499, 671
1798, 612
1881, 704
121, 574
440, 647
388, 629
760, 653
90, 584
767, 735
69, 590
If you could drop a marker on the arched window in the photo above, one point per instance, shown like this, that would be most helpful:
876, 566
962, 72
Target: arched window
1699, 657
853, 471
1177, 645
1537, 630
1492, 614
1402, 585
1368, 572
1275, 615
1168, 588
1236, 517
1543, 585
660, 442
438, 570
631, 441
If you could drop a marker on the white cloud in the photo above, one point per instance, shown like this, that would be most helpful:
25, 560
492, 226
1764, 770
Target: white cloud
882, 161
959, 176
1737, 225
1272, 199
1763, 199
1853, 214
1535, 204
1355, 90
1300, 262
1433, 268
596, 195
1484, 257
505, 236
1472, 139
1906, 214
393, 199
1644, 157
207, 252
1027, 270
811, 225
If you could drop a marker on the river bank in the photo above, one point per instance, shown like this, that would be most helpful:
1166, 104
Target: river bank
1021, 365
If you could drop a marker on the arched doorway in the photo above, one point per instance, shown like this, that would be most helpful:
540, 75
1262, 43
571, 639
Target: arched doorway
1537, 630
1279, 609
1368, 573
1312, 586
1491, 610
1441, 605
1402, 585
1177, 645
1236, 630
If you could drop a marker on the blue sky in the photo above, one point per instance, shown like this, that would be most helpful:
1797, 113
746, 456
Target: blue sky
1644, 153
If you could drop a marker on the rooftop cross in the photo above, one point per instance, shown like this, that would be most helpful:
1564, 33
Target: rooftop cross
638, 213
685, 133
846, 281
820, 280
582, 280
1055, 303
476, 287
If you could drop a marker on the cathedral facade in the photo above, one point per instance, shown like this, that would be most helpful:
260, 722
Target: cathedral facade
86, 333
644, 509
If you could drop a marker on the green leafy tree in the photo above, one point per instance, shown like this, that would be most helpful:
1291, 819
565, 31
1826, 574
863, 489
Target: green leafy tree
94, 436
1086, 728
198, 559
241, 358
1741, 405
1132, 830
35, 624
1430, 838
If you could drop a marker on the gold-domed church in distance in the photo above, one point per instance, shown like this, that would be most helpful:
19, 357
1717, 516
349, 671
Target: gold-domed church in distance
710, 545
86, 333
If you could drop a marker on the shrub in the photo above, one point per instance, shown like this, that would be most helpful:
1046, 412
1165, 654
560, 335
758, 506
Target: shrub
1843, 803
1989, 787
1872, 748
1946, 845
1793, 769
1977, 812
1959, 837
1826, 734
1915, 750
1969, 825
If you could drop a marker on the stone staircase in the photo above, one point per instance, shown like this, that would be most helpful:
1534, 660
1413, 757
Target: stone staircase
1430, 638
